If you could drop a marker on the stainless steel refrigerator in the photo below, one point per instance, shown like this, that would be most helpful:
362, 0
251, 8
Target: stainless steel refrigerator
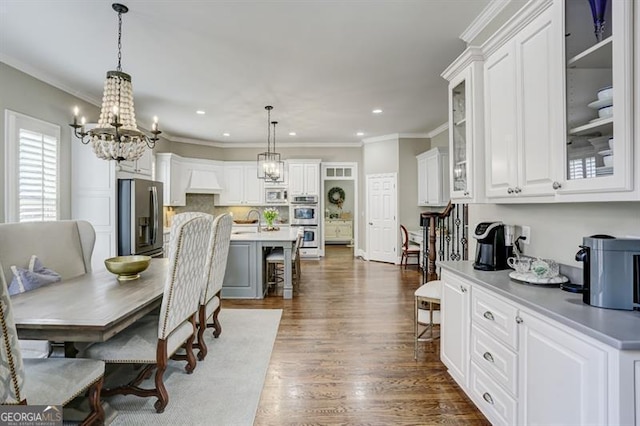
140, 223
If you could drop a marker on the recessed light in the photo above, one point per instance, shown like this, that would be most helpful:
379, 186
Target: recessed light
360, 134
292, 133
200, 112
377, 111
226, 134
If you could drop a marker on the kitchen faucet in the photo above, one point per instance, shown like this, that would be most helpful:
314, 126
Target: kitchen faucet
257, 211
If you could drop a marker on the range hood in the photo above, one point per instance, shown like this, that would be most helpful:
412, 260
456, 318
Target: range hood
203, 182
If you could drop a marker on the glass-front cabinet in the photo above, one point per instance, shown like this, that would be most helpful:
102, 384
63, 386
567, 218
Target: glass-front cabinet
466, 150
598, 154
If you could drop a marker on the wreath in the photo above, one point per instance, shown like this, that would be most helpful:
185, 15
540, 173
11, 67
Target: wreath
336, 196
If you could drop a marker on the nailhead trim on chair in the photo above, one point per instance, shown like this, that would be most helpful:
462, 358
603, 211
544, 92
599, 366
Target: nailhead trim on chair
12, 366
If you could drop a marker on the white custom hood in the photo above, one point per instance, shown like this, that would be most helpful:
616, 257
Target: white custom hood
203, 182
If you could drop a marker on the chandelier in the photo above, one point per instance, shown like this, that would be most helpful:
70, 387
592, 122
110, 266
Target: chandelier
116, 136
270, 166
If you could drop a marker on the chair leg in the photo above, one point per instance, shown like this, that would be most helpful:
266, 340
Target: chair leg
217, 328
161, 390
415, 328
202, 326
191, 358
96, 415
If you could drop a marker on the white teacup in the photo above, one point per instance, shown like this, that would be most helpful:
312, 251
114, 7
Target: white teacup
520, 264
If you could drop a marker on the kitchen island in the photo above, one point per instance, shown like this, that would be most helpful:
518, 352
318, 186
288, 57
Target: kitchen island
246, 267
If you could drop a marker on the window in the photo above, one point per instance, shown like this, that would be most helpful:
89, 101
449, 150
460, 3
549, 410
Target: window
580, 168
32, 185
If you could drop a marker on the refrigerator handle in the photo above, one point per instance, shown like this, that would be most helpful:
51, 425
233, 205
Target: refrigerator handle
156, 215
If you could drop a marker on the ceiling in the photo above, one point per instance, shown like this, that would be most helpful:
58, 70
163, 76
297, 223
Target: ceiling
323, 64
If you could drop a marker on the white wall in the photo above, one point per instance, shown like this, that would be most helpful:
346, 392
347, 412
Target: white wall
557, 229
409, 212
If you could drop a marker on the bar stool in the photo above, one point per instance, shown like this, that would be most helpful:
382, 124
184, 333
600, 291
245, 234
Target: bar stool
431, 293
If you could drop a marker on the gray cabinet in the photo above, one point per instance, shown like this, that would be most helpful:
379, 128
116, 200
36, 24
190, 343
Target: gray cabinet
242, 277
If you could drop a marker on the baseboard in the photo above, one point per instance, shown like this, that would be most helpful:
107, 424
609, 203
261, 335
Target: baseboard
362, 254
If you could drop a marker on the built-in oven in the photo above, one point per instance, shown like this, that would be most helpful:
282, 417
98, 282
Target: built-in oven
303, 214
310, 237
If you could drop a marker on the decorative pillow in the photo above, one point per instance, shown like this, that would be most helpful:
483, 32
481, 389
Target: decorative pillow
33, 277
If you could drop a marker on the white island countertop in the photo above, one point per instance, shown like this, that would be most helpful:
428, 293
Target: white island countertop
251, 234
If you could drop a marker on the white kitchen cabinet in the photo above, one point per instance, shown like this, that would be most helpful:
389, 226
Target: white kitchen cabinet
433, 177
241, 184
170, 170
590, 66
466, 127
523, 101
338, 230
563, 379
304, 177
141, 168
455, 326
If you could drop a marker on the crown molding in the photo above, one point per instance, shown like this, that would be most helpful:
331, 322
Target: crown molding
47, 78
435, 132
252, 145
394, 136
470, 55
517, 22
483, 19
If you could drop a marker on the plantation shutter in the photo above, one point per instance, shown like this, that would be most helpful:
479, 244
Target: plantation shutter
37, 177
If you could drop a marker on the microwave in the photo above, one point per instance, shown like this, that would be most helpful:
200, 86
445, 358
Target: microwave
275, 195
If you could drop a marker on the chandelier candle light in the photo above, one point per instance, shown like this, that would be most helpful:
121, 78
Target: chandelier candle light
270, 166
116, 137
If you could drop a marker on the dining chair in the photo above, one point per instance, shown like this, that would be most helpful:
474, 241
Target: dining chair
153, 340
408, 250
49, 381
216, 265
430, 293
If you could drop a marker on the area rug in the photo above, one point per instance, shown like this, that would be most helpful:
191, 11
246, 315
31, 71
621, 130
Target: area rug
225, 388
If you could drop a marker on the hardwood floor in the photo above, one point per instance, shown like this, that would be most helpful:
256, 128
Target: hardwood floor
344, 351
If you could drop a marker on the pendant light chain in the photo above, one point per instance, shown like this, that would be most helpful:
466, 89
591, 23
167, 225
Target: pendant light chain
119, 68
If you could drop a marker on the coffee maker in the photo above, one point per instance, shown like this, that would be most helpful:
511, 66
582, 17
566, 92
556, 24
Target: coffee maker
611, 271
492, 250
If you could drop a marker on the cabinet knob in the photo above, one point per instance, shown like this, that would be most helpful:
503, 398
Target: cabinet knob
370, 223
488, 356
517, 190
519, 320
463, 289
509, 190
488, 315
487, 397
466, 193
557, 185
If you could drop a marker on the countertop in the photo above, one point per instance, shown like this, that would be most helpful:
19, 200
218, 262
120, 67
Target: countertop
284, 234
616, 328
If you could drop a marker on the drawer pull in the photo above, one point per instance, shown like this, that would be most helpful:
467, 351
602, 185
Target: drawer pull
487, 398
488, 315
488, 356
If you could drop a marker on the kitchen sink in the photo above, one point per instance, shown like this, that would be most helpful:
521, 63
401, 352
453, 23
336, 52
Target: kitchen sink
244, 232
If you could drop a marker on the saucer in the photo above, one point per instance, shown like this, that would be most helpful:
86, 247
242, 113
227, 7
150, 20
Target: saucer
531, 278
601, 103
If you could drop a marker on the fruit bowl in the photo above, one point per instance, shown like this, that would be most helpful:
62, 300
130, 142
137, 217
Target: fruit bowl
127, 268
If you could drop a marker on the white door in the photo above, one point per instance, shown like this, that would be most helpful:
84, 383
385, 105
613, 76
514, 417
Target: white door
296, 179
233, 192
382, 226
253, 187
311, 179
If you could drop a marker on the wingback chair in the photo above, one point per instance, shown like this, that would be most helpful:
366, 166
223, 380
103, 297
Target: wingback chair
220, 239
152, 340
65, 246
51, 381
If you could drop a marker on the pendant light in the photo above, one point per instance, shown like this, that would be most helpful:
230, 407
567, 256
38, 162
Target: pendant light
116, 136
270, 166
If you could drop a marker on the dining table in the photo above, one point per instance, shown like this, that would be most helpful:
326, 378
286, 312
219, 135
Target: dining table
92, 307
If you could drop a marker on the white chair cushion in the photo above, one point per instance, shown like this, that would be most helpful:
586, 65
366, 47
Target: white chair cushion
276, 255
431, 290
138, 343
56, 381
211, 307
219, 251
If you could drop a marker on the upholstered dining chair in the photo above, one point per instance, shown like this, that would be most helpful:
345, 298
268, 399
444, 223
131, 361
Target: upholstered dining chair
152, 340
50, 381
408, 250
210, 303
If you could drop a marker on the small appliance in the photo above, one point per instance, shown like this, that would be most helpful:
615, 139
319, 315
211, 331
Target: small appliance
304, 199
275, 195
304, 210
140, 223
491, 249
611, 272
310, 237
